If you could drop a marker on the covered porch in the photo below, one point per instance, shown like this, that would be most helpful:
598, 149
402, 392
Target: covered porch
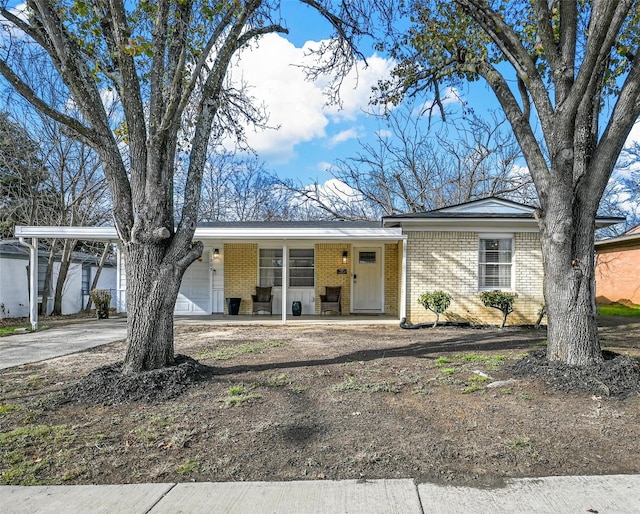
298, 261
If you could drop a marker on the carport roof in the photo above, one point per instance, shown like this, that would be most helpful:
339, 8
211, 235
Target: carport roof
239, 231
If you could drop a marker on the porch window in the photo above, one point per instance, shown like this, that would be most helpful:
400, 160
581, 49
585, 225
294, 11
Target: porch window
495, 263
270, 267
301, 267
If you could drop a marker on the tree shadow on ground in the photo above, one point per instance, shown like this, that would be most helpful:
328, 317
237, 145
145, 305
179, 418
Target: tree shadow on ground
108, 385
477, 340
618, 377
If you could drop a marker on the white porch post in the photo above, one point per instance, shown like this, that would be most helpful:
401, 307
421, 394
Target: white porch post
285, 280
33, 281
403, 281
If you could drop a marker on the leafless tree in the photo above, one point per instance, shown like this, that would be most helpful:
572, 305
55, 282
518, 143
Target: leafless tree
166, 62
26, 195
237, 187
408, 169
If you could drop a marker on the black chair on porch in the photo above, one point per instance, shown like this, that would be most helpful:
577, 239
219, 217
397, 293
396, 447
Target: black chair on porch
262, 300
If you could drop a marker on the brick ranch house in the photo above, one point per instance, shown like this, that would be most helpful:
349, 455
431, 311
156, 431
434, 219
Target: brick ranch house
618, 268
381, 267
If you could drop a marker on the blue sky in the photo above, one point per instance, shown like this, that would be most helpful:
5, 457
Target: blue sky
311, 135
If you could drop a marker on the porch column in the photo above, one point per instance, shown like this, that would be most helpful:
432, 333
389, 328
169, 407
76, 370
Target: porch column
33, 281
285, 281
403, 281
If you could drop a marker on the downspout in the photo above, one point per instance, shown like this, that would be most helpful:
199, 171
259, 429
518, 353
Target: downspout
33, 280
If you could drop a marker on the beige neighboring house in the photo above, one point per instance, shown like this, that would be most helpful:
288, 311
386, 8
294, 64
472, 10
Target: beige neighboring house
381, 267
618, 268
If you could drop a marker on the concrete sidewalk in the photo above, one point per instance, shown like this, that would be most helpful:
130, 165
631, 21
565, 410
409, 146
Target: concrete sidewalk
604, 494
28, 347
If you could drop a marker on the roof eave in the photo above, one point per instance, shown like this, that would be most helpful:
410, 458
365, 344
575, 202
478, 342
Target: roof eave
466, 224
222, 233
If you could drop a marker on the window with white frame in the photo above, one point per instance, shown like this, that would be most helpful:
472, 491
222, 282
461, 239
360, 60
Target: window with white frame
495, 263
301, 267
270, 266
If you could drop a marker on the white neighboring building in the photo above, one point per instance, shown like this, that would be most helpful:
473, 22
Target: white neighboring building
14, 280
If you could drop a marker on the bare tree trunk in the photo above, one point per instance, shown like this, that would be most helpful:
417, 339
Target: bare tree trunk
568, 249
47, 278
94, 282
65, 262
153, 282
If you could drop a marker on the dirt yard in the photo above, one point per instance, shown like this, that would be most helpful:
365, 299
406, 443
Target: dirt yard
289, 403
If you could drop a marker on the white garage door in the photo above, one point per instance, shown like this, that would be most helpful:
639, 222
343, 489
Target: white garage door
193, 297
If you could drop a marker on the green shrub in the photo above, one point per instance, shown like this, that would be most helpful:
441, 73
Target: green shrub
101, 298
436, 302
499, 300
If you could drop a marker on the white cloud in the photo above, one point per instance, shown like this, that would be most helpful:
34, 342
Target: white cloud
628, 162
449, 96
333, 190
634, 135
295, 105
356, 88
344, 135
19, 11
324, 166
10, 31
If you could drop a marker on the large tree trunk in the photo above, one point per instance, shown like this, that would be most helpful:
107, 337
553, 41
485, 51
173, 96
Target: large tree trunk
568, 259
153, 282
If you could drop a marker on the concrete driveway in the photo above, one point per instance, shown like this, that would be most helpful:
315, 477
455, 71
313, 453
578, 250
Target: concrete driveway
19, 349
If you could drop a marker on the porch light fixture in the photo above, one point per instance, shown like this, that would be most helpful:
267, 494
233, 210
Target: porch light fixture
216, 252
345, 254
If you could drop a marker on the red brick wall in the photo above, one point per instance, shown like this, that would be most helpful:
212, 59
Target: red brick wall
618, 275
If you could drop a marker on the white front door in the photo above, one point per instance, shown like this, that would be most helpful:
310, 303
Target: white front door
367, 279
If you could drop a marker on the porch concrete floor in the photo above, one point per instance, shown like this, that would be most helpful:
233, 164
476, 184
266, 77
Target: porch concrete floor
276, 319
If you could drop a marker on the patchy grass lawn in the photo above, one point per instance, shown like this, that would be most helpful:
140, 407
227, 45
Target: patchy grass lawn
296, 402
619, 309
11, 329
